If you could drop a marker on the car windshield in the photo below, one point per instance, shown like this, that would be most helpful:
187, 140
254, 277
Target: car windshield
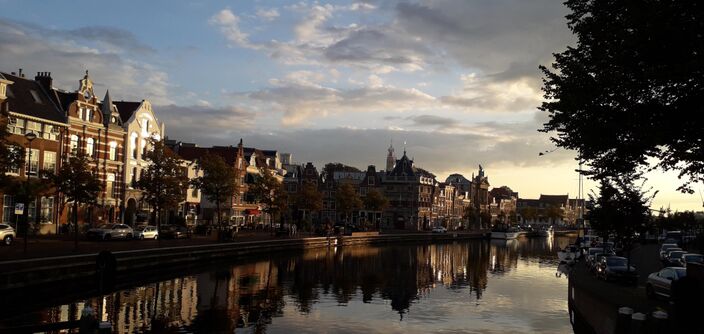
681, 272
670, 246
140, 228
595, 251
105, 226
676, 255
694, 258
615, 262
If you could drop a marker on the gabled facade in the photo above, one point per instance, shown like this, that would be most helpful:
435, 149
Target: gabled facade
95, 129
31, 109
410, 191
140, 125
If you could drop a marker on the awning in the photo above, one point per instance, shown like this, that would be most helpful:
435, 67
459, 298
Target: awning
252, 212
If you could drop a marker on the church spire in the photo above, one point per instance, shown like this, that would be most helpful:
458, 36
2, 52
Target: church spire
391, 157
107, 107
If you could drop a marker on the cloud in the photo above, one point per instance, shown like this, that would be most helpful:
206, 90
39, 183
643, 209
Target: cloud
299, 100
268, 14
205, 122
35, 49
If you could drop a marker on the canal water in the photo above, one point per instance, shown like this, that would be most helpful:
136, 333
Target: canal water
464, 287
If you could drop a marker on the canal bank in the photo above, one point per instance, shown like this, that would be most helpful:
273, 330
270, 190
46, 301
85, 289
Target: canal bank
113, 266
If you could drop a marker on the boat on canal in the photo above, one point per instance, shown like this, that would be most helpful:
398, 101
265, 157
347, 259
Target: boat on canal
505, 232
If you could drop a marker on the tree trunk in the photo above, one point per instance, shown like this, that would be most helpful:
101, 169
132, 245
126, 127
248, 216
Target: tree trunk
219, 215
75, 224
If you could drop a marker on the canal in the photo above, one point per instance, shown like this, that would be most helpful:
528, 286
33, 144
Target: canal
472, 287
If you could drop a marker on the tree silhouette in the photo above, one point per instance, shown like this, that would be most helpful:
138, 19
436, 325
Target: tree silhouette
163, 182
271, 193
76, 180
11, 156
632, 88
218, 182
309, 199
375, 201
347, 201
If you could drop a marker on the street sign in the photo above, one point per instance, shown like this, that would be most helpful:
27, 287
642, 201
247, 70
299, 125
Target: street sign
19, 208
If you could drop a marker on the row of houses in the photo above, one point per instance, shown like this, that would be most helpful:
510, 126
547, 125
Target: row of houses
116, 135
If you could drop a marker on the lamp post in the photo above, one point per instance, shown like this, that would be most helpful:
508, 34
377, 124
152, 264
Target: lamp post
30, 136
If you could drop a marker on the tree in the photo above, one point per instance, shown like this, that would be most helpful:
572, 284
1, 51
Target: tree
218, 183
271, 193
332, 167
79, 184
553, 213
631, 89
375, 201
309, 199
163, 182
622, 210
528, 213
347, 200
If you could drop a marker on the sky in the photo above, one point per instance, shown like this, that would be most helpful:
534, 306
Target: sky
455, 83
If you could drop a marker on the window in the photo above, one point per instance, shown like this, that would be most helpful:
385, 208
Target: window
31, 210
32, 162
133, 145
194, 193
89, 147
109, 186
113, 151
144, 148
16, 126
46, 215
370, 181
8, 210
49, 160
80, 113
74, 144
49, 132
34, 127
35, 95
133, 176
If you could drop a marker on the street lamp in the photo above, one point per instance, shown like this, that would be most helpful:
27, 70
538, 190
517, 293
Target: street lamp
30, 136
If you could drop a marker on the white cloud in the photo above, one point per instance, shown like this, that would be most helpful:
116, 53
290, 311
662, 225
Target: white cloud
268, 14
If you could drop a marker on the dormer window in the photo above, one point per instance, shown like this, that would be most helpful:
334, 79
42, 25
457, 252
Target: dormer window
35, 96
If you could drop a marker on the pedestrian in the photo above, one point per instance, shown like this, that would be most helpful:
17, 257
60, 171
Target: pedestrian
88, 322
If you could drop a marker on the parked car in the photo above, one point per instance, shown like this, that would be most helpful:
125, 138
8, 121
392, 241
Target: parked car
660, 283
146, 232
691, 258
174, 232
7, 234
665, 248
110, 231
439, 229
616, 268
673, 258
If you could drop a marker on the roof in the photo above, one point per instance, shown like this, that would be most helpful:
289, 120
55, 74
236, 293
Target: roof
27, 97
404, 167
555, 199
227, 153
126, 109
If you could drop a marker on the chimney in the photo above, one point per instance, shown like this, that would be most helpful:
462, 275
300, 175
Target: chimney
45, 80
20, 74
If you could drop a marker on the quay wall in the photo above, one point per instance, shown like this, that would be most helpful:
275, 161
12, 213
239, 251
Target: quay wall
20, 274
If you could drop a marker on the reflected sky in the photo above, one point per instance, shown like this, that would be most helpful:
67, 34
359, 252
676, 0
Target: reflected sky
469, 287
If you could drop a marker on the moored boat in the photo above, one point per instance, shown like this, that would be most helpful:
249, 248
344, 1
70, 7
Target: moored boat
502, 231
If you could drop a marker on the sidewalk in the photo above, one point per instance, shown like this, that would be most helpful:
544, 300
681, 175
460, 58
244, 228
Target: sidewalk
38, 247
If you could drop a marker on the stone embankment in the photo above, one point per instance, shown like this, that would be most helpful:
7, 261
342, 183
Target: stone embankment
112, 266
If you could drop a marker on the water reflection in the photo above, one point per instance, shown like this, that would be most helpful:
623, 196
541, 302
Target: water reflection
468, 286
